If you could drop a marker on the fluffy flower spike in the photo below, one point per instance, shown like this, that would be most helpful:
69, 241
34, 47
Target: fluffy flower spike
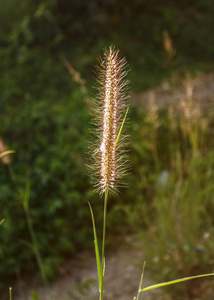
109, 112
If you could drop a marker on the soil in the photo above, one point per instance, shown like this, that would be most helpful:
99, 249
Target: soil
200, 90
78, 277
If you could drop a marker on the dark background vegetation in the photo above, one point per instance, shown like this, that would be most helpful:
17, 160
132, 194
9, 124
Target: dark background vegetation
44, 113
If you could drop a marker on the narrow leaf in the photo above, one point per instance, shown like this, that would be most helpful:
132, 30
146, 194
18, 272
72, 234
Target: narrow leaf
6, 153
27, 244
174, 281
2, 221
26, 196
99, 271
121, 127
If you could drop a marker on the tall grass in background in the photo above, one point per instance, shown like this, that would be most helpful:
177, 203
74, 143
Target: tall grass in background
177, 228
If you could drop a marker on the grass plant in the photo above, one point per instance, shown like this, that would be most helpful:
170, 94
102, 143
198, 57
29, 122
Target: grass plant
176, 218
106, 156
34, 245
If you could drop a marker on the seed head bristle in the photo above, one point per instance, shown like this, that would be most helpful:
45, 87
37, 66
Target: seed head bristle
109, 113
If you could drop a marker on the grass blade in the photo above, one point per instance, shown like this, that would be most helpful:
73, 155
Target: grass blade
99, 271
6, 153
26, 196
121, 127
173, 282
26, 244
2, 221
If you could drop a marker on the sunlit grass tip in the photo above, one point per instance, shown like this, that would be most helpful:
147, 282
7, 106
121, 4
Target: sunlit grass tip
109, 111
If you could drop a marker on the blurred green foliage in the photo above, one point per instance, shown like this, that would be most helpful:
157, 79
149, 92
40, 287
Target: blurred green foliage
50, 141
81, 29
44, 115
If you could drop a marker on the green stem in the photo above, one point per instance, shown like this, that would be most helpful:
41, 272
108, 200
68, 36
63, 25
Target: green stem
35, 246
103, 245
10, 293
141, 281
